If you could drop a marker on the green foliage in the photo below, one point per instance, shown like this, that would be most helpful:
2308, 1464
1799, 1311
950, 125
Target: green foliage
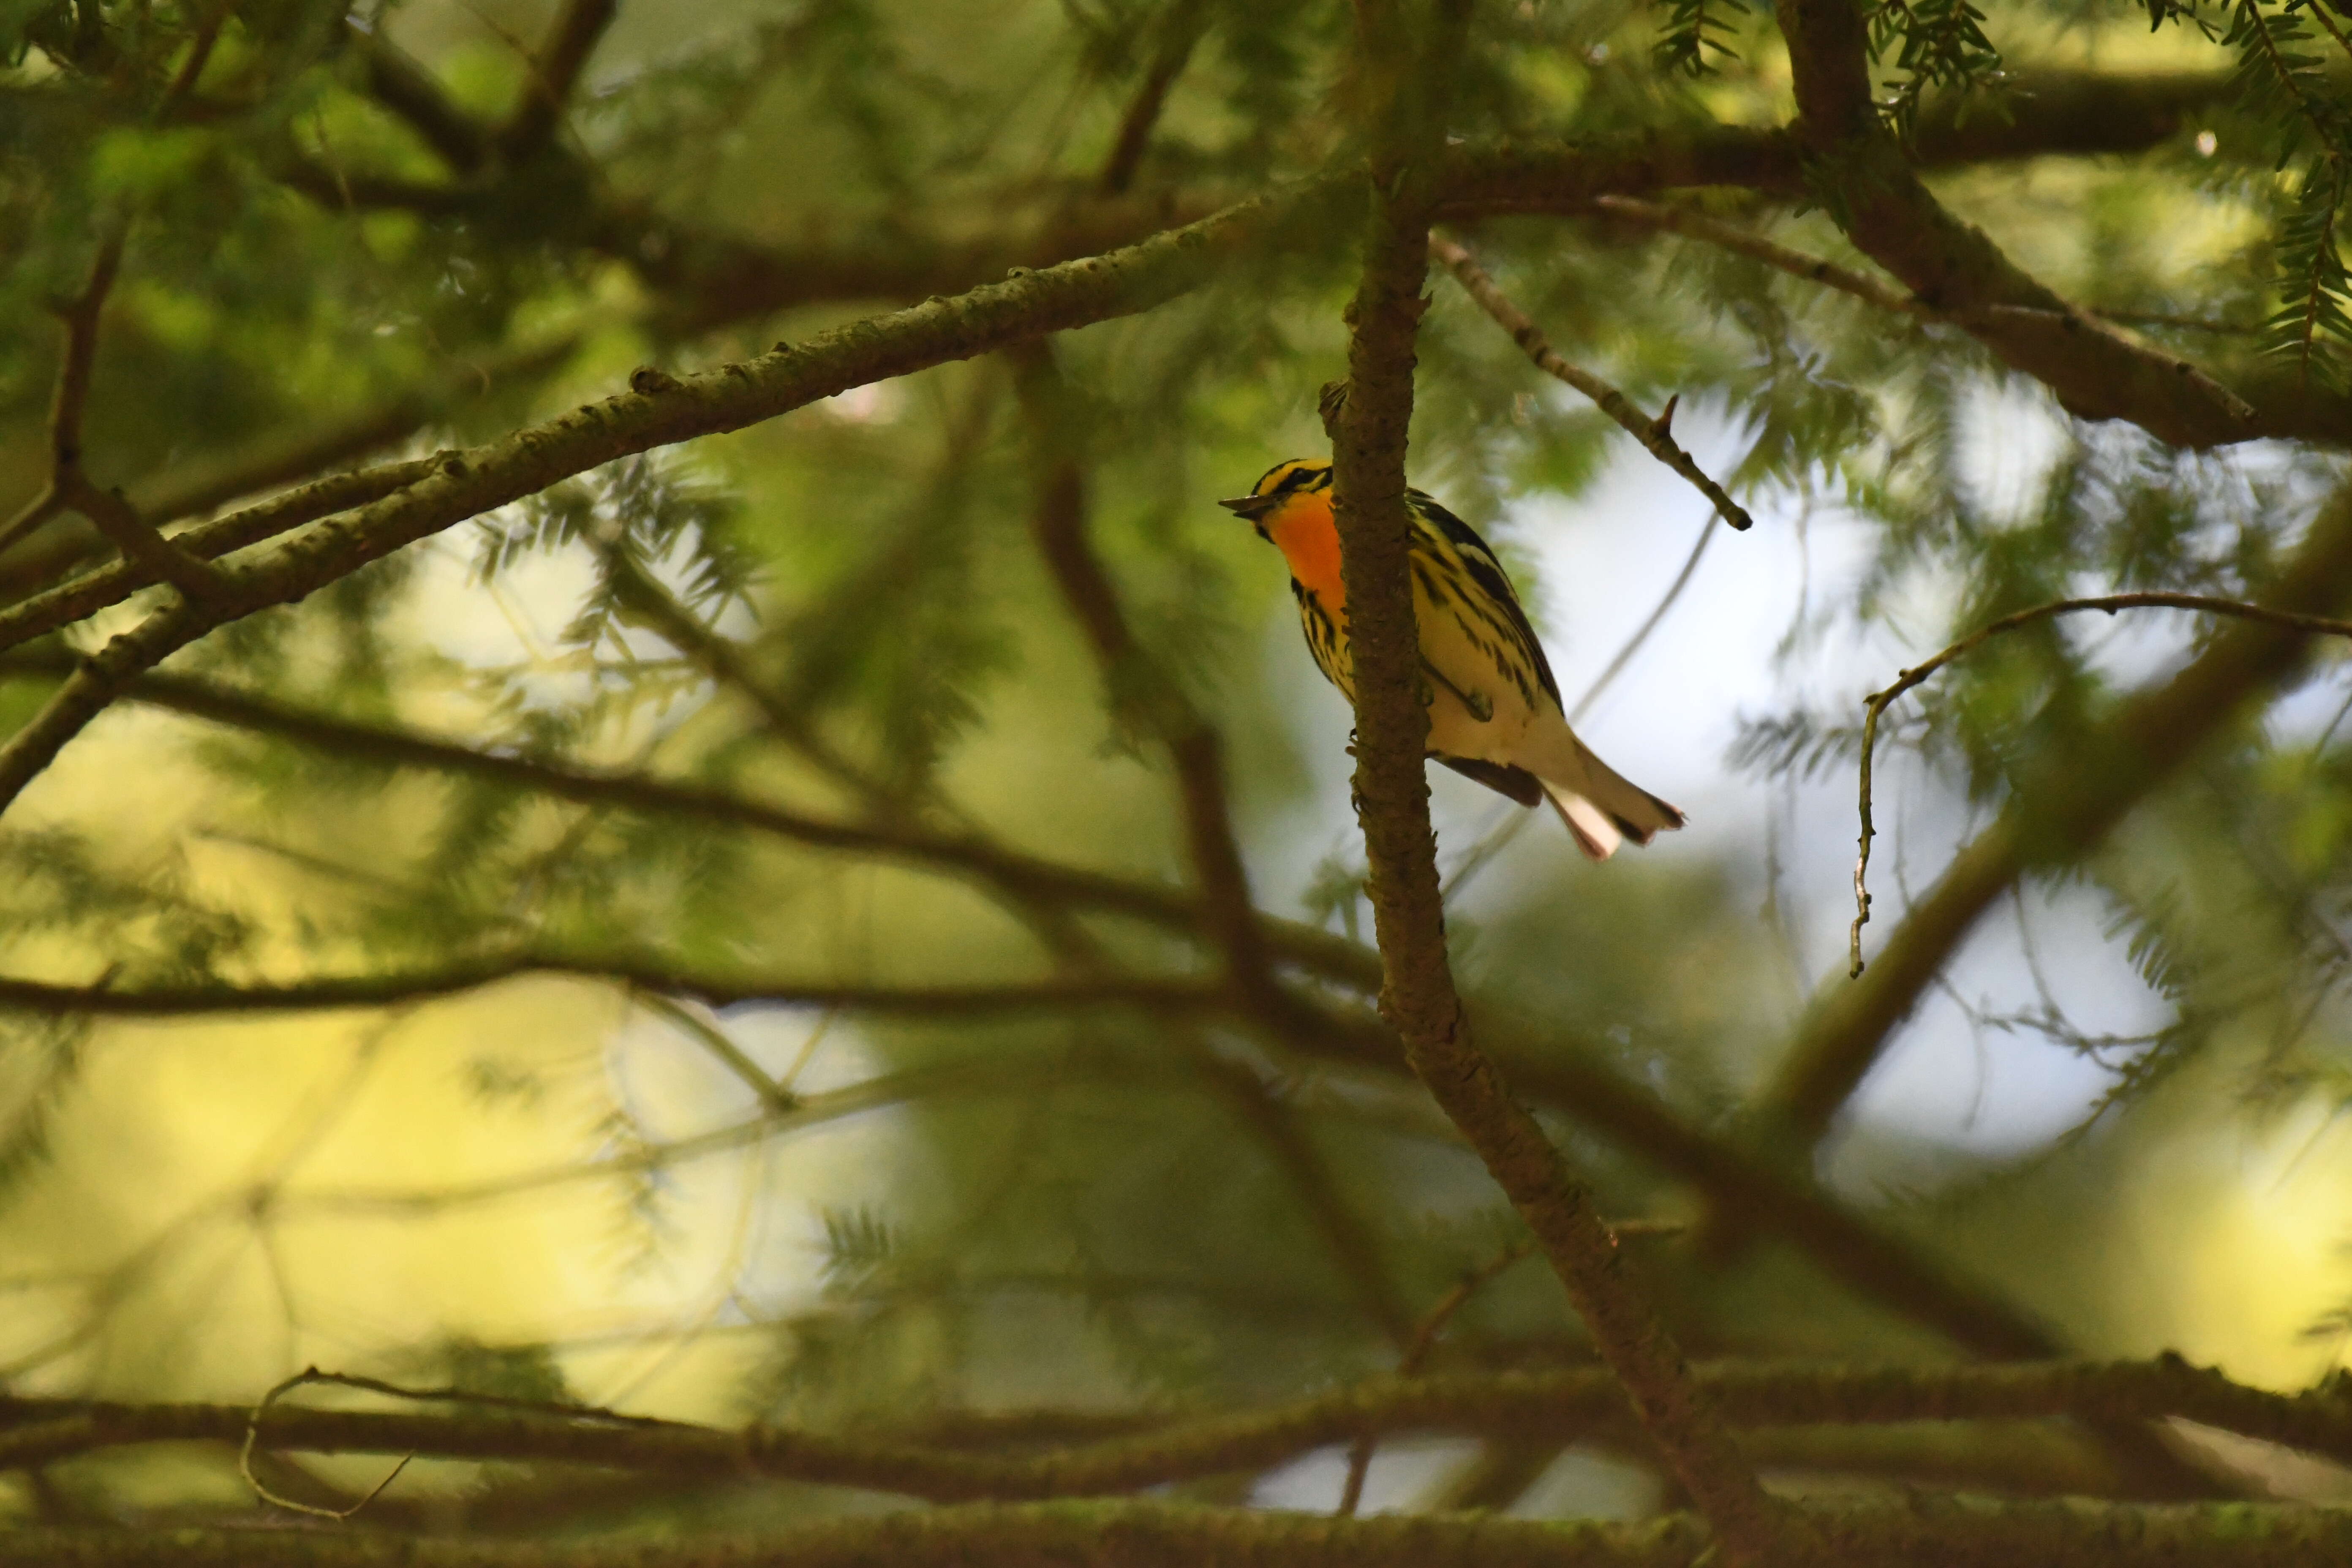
1694, 29
858, 1243
2312, 281
1106, 1208
41, 1062
529, 1372
2301, 119
1935, 44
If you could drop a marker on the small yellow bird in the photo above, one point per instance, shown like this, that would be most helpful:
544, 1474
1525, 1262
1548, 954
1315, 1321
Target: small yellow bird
1495, 711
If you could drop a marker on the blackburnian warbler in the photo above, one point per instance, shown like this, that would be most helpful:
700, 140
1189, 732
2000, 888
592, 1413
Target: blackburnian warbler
1495, 711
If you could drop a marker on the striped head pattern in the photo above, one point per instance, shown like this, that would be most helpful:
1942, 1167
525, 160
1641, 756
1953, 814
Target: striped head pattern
1290, 507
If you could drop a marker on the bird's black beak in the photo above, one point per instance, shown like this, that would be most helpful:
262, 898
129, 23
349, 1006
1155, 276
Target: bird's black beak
1251, 507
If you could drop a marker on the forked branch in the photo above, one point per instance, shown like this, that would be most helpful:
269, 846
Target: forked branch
69, 487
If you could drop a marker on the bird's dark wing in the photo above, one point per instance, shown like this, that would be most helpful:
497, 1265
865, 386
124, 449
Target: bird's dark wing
1487, 572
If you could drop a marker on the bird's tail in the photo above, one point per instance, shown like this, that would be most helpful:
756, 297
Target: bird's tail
1601, 807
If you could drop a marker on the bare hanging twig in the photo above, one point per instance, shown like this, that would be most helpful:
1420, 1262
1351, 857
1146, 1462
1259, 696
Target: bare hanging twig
253, 1436
1879, 701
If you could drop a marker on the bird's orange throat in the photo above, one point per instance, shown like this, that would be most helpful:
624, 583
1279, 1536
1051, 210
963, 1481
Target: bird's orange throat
1303, 529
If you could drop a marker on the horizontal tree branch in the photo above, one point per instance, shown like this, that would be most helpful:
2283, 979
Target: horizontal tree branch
998, 1074
1951, 1532
974, 857
657, 410
398, 989
2055, 110
57, 609
1693, 223
1555, 177
1555, 1406
30, 573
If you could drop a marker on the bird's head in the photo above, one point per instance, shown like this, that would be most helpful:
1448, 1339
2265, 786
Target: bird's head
1299, 481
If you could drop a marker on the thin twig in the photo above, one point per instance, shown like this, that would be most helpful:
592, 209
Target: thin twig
1425, 1337
1416, 1355
84, 595
31, 515
1634, 644
1694, 224
720, 657
2176, 323
1656, 434
720, 1044
124, 529
253, 1436
1877, 703
1816, 269
80, 316
2069, 318
645, 978
596, 1417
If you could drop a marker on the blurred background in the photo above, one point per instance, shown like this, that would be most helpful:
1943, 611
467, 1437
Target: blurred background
2115, 1109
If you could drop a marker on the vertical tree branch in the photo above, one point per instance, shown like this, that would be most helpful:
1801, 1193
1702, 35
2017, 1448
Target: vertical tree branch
75, 359
1368, 424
